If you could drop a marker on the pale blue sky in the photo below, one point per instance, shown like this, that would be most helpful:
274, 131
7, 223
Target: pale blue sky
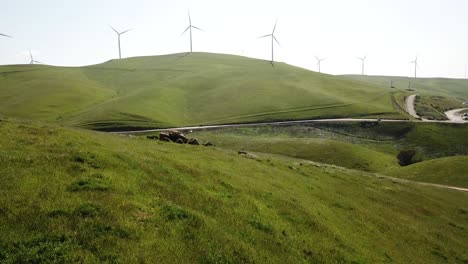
390, 32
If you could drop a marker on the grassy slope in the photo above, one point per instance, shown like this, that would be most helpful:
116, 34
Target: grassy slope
71, 195
363, 146
174, 90
449, 171
437, 95
321, 150
452, 88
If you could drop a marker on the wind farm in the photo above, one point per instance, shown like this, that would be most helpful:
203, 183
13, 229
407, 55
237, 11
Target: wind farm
176, 152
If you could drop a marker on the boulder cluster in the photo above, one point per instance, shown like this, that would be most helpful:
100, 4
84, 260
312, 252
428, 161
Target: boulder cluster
177, 137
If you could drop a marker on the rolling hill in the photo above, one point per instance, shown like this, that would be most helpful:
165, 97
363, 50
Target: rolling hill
183, 89
448, 171
452, 88
77, 196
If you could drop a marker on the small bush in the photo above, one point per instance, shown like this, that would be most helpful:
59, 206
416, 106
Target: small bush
88, 210
172, 213
261, 226
89, 185
408, 157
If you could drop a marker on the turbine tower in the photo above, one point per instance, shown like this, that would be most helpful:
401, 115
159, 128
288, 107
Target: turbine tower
32, 58
3, 35
273, 39
416, 66
118, 36
190, 28
319, 61
363, 59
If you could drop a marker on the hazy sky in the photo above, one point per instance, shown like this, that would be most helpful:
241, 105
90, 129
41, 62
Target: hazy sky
390, 32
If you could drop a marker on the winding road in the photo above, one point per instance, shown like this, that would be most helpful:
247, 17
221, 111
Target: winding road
454, 116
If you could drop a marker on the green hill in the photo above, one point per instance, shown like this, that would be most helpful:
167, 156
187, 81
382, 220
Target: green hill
71, 195
449, 171
452, 88
183, 89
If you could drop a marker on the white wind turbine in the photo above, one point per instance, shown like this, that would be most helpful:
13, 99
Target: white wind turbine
416, 66
273, 39
190, 28
363, 59
32, 58
319, 62
118, 36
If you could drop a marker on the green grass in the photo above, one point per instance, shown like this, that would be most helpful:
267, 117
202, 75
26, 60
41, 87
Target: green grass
448, 171
316, 149
434, 107
71, 195
181, 89
364, 146
436, 95
450, 88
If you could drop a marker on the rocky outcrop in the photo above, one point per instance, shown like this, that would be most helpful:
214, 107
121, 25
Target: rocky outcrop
177, 137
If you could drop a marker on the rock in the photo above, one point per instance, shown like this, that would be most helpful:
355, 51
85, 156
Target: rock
208, 144
174, 135
184, 138
164, 136
180, 141
152, 137
193, 141
165, 139
242, 152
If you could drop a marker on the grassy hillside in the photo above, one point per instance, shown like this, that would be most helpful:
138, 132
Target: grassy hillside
183, 89
448, 171
321, 150
364, 146
452, 88
79, 196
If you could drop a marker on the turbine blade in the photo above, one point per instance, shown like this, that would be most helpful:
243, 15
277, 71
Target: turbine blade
317, 58
189, 18
30, 55
5, 35
185, 30
276, 40
274, 28
125, 31
198, 28
114, 30
38, 62
269, 35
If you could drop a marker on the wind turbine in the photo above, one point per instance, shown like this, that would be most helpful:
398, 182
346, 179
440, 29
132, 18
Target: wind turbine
190, 28
5, 35
416, 66
363, 62
273, 39
32, 59
118, 35
319, 61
